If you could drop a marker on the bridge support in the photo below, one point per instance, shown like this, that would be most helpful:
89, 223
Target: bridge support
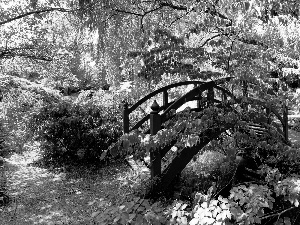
210, 96
285, 120
155, 126
165, 99
199, 98
125, 118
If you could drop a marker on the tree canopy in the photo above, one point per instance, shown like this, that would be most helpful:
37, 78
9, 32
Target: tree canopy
90, 40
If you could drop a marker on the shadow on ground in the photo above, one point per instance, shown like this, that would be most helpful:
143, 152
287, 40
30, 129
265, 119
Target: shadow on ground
69, 197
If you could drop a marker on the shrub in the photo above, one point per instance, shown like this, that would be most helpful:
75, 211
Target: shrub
4, 150
296, 124
74, 133
21, 100
247, 204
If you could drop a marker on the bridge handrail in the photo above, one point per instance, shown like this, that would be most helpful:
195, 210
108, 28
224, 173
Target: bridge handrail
160, 90
282, 119
127, 110
166, 88
188, 96
261, 103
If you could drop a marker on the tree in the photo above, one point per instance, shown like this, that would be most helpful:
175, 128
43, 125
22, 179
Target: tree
236, 35
246, 39
46, 37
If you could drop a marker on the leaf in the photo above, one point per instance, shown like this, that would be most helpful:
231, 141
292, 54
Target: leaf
124, 217
126, 144
247, 6
183, 206
131, 216
194, 221
94, 214
139, 219
208, 220
104, 153
184, 220
122, 207
287, 221
117, 218
204, 205
114, 150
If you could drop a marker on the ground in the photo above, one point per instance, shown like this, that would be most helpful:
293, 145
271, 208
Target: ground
40, 196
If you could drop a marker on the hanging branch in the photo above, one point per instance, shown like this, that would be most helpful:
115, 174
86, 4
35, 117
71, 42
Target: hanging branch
35, 12
23, 52
228, 61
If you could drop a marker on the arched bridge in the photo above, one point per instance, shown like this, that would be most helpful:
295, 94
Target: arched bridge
206, 94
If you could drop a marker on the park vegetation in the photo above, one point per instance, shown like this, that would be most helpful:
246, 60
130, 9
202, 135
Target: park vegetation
61, 66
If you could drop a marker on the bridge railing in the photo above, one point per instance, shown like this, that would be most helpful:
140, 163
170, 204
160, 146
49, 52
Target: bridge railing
156, 119
269, 109
195, 95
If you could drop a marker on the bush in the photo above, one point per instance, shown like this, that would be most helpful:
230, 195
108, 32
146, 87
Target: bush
296, 124
74, 133
21, 100
4, 150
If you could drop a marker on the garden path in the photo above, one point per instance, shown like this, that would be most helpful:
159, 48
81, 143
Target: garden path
40, 196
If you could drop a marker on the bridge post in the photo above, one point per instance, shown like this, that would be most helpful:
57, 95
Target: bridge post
245, 88
268, 112
285, 121
245, 94
165, 99
155, 126
199, 98
125, 118
210, 96
224, 96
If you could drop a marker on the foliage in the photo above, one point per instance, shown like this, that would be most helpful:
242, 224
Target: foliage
74, 133
247, 204
296, 125
47, 39
3, 146
245, 39
88, 40
22, 99
172, 57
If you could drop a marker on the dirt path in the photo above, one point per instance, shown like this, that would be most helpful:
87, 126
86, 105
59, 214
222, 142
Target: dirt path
42, 197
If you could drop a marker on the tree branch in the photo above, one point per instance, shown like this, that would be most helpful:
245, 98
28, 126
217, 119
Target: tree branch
242, 39
228, 61
176, 7
251, 42
277, 214
128, 12
160, 6
209, 39
35, 12
214, 12
11, 53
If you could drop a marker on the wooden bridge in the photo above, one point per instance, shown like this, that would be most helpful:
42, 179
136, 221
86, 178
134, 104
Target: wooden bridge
206, 94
